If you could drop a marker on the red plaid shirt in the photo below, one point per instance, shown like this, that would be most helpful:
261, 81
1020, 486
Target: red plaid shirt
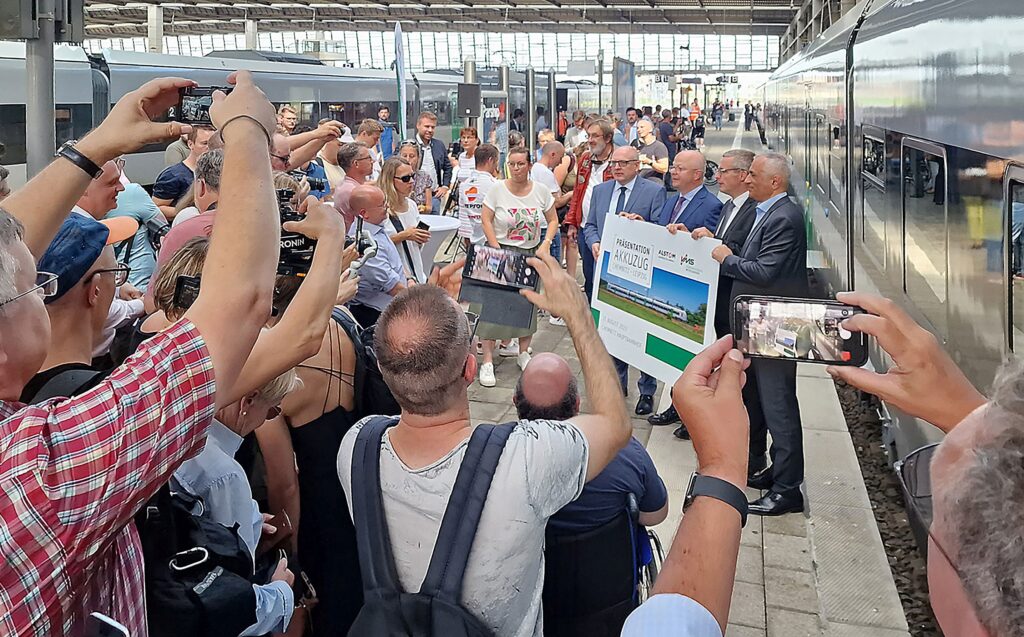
74, 472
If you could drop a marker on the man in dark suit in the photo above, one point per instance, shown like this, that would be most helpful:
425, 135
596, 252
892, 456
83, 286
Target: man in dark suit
772, 261
434, 156
640, 199
733, 228
695, 206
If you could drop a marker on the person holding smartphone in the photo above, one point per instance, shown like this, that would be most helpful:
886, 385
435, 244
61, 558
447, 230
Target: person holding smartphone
512, 217
395, 182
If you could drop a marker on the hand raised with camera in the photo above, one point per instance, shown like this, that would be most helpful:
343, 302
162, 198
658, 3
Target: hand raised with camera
348, 286
707, 397
329, 130
560, 294
321, 220
129, 126
923, 380
245, 100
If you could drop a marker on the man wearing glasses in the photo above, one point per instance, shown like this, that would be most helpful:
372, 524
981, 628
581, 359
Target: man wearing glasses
80, 262
357, 163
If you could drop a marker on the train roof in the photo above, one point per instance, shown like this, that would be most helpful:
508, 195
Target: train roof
61, 52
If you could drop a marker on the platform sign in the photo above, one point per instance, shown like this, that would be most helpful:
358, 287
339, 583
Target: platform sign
654, 296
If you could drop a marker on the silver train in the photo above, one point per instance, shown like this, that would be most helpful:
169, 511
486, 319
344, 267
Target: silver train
87, 85
906, 129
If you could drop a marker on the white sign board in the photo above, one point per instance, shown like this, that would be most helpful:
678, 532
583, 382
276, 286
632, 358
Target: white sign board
654, 296
581, 67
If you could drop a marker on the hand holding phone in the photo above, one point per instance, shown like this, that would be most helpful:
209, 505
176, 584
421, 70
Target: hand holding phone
500, 267
194, 104
805, 330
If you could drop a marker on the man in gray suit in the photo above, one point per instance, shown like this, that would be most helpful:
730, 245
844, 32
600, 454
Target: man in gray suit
772, 261
635, 198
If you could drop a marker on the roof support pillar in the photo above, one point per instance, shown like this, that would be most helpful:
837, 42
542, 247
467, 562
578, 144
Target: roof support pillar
40, 138
155, 28
251, 31
531, 108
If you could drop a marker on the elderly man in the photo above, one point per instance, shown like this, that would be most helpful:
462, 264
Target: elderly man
356, 161
772, 261
424, 346
694, 206
382, 277
594, 168
66, 514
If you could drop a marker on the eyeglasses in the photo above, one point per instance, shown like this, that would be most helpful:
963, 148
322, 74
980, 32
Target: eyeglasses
674, 167
285, 158
518, 164
362, 158
119, 162
405, 179
721, 171
46, 286
273, 412
121, 273
622, 163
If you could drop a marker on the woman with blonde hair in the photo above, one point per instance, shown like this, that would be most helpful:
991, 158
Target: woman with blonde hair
395, 182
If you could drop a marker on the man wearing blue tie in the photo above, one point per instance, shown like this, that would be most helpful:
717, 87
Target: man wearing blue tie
695, 206
635, 198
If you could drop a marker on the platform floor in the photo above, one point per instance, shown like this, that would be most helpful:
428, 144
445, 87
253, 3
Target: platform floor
822, 573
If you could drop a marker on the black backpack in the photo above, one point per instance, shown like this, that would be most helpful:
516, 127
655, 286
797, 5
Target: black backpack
373, 397
435, 610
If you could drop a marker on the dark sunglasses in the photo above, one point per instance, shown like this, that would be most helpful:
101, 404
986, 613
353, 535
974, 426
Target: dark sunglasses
405, 179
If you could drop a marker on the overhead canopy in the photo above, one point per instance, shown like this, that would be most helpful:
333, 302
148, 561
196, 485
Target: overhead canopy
128, 18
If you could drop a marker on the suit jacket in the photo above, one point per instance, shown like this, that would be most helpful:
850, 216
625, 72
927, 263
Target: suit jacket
441, 162
734, 237
702, 211
646, 199
773, 260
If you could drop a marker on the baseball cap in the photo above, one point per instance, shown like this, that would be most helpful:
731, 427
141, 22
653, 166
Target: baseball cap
73, 251
120, 228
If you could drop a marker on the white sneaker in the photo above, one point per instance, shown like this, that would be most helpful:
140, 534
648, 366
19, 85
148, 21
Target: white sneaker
509, 351
557, 321
523, 360
487, 375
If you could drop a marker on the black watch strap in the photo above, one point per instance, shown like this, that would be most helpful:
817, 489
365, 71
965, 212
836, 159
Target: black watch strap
70, 153
718, 489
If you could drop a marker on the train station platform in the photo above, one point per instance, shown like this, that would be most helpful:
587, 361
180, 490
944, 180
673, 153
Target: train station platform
820, 573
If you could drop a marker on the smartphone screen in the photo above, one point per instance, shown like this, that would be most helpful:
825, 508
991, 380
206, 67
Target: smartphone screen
498, 266
806, 330
194, 104
186, 291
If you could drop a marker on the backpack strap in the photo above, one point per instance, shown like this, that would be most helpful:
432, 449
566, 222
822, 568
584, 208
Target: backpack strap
372, 538
66, 384
462, 516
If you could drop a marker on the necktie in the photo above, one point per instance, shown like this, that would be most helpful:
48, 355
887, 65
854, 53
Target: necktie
724, 220
621, 204
678, 209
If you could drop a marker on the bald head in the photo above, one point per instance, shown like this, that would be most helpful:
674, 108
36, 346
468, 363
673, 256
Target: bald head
687, 170
367, 201
547, 389
625, 162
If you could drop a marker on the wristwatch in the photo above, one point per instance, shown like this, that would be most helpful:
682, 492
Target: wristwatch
70, 153
718, 489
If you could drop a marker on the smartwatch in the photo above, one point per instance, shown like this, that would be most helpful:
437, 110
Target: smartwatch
70, 153
718, 489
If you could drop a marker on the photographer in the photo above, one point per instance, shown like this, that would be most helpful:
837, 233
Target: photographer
65, 511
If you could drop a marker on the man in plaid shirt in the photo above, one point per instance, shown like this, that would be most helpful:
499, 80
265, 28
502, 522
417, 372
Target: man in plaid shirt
74, 472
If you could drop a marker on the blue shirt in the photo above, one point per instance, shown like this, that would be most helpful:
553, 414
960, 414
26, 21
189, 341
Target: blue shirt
316, 171
766, 205
381, 273
687, 198
618, 139
173, 182
215, 477
387, 139
604, 497
613, 208
136, 203
671, 615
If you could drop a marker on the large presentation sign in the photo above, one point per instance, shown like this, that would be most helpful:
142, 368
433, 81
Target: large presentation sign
654, 297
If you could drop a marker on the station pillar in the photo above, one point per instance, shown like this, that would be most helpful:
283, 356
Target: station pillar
531, 108
155, 28
40, 131
251, 31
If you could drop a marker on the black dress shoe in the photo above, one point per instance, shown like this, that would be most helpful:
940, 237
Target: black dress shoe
645, 405
777, 504
681, 433
760, 479
667, 417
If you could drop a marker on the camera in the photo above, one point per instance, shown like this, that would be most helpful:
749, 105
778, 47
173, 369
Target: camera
194, 104
455, 149
296, 249
315, 183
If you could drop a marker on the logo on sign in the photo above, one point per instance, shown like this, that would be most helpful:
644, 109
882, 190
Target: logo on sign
686, 260
471, 194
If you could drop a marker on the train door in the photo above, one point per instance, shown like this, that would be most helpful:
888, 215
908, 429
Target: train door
1013, 195
925, 234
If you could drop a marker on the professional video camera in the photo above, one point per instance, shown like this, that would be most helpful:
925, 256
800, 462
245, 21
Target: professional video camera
296, 249
315, 183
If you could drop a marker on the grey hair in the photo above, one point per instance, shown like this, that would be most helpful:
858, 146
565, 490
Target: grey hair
982, 510
777, 165
209, 167
741, 158
11, 232
347, 154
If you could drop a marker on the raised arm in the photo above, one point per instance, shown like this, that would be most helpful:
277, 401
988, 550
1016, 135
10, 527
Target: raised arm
231, 309
46, 200
608, 428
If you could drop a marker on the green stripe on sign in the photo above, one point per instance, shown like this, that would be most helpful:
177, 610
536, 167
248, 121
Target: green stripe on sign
667, 352
597, 316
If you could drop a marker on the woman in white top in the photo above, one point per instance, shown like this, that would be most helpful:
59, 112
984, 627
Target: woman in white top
396, 182
512, 216
469, 140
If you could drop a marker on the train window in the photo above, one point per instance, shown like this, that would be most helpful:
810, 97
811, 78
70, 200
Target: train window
873, 225
12, 134
873, 165
73, 121
1016, 234
924, 237
837, 167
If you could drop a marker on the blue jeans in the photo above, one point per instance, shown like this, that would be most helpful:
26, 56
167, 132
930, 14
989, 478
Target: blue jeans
556, 247
588, 264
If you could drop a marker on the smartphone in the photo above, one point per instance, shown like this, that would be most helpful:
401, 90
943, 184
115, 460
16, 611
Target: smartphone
194, 104
186, 291
99, 625
500, 267
805, 330
423, 226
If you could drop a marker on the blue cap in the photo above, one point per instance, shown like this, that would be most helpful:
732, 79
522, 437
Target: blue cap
74, 250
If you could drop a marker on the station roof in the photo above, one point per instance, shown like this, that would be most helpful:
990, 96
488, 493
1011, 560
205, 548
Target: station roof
127, 18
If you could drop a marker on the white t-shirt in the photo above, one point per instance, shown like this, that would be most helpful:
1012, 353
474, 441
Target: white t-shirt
378, 162
517, 220
410, 219
184, 215
546, 177
596, 177
543, 468
471, 202
467, 165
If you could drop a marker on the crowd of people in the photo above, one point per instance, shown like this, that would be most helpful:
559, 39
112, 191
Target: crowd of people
202, 447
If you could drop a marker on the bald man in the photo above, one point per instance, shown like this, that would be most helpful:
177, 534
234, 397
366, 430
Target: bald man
547, 391
695, 206
382, 276
653, 153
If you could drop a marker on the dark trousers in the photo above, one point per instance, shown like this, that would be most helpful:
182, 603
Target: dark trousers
646, 384
588, 264
770, 398
364, 314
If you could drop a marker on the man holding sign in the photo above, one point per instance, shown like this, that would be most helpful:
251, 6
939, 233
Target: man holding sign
635, 198
695, 206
